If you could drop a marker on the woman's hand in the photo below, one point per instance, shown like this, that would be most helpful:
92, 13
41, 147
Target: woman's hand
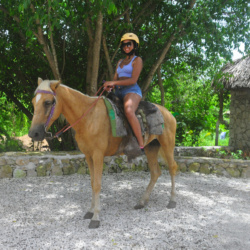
109, 85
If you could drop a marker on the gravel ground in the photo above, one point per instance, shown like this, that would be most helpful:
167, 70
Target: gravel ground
47, 213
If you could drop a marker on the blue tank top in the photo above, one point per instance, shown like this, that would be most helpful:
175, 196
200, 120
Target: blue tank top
126, 70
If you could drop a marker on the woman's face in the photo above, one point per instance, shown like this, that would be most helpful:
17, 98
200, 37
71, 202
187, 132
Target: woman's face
127, 46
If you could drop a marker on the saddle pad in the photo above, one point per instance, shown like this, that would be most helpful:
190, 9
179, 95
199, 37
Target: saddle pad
116, 119
149, 116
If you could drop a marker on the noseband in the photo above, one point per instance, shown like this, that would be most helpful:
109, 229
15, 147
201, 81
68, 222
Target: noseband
52, 108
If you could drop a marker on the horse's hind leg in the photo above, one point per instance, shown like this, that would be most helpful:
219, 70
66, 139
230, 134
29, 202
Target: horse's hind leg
152, 155
167, 152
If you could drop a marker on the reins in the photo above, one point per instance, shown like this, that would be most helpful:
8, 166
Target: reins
68, 126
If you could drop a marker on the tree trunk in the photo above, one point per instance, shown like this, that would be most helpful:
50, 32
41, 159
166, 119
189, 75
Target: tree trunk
217, 133
40, 37
161, 86
96, 54
90, 55
106, 52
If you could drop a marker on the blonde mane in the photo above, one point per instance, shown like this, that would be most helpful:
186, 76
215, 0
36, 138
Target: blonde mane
45, 85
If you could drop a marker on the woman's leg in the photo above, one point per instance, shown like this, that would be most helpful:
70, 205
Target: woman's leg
131, 102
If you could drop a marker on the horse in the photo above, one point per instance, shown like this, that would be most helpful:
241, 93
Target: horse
94, 137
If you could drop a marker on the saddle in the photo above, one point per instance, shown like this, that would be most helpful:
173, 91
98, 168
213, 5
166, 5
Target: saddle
149, 116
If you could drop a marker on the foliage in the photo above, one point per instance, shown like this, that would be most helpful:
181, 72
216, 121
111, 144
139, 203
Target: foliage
58, 39
208, 138
238, 155
191, 100
10, 144
12, 121
11, 124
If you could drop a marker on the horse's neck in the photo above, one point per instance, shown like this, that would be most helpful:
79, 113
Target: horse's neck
74, 103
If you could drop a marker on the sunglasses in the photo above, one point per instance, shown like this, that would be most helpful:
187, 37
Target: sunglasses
128, 44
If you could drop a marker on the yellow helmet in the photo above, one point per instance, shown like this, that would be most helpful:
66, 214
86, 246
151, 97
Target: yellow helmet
130, 36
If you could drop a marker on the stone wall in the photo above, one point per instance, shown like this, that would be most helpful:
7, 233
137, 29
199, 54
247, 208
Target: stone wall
36, 164
240, 119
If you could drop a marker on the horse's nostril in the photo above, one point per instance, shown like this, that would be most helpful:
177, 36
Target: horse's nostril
36, 135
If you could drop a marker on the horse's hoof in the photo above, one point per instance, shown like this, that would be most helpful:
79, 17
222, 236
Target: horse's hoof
94, 224
88, 215
139, 206
171, 204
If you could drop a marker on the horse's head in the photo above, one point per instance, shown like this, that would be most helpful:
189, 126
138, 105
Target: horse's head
46, 109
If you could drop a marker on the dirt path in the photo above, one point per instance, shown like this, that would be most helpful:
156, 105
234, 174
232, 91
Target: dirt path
47, 213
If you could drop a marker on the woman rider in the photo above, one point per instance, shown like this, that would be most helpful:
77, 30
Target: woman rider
125, 82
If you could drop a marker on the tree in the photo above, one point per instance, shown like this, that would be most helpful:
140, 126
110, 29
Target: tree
78, 41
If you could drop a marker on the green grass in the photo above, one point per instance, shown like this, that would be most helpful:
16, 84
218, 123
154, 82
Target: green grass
208, 139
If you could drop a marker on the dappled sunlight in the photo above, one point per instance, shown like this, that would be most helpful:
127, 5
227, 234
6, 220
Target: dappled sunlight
43, 212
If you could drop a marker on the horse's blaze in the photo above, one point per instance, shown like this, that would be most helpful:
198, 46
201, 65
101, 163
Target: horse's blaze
37, 130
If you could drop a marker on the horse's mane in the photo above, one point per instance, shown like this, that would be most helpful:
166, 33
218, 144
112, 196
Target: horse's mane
45, 85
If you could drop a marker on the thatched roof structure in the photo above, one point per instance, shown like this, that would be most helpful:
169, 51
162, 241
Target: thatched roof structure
237, 74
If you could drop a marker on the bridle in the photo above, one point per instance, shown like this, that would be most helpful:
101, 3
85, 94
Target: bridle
68, 126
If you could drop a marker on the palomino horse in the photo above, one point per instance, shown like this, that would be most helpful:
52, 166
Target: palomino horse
94, 137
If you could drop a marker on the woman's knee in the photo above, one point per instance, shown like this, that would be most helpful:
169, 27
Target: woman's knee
129, 112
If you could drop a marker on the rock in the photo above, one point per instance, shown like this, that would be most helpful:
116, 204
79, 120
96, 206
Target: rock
182, 167
34, 160
31, 173
221, 171
205, 169
30, 166
22, 161
2, 161
57, 170
194, 167
6, 171
65, 161
19, 173
81, 170
41, 170
48, 166
234, 172
68, 170
246, 172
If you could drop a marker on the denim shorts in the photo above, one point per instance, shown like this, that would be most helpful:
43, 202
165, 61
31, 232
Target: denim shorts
121, 91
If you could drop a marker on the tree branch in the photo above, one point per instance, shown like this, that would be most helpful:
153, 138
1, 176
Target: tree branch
45, 46
106, 52
163, 53
53, 46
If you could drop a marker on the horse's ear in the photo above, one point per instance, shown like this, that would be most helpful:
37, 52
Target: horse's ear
55, 85
39, 80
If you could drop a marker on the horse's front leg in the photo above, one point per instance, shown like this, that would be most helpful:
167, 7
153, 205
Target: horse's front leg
96, 181
90, 212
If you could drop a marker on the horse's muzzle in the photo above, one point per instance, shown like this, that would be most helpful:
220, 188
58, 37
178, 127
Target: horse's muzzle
37, 133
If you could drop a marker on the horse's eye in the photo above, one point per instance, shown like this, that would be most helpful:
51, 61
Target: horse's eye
47, 103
